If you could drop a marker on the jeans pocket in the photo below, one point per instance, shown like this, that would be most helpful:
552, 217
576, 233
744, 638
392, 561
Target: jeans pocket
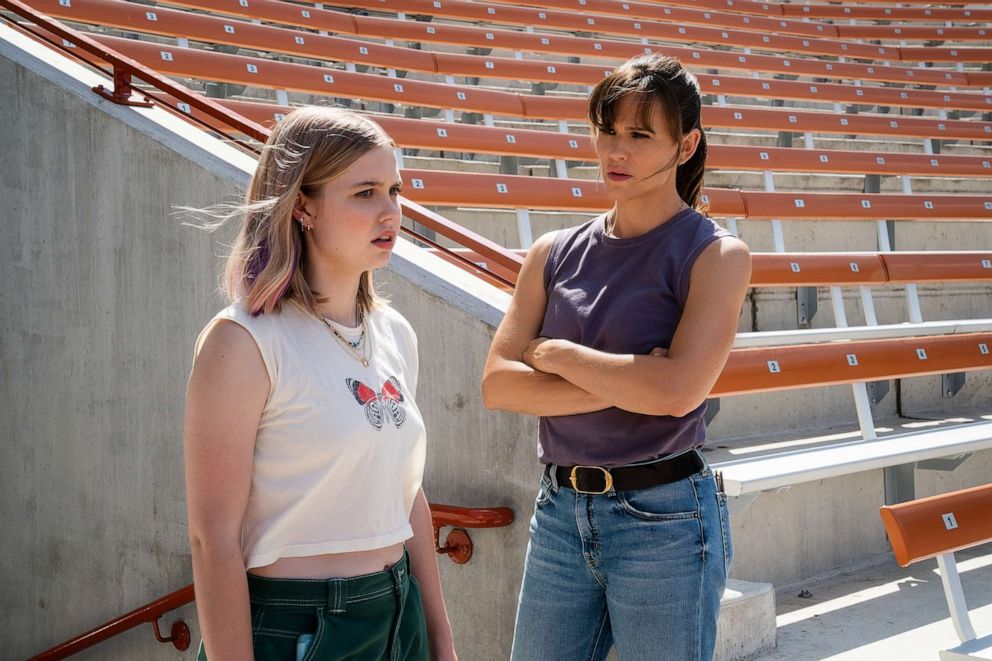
666, 502
728, 543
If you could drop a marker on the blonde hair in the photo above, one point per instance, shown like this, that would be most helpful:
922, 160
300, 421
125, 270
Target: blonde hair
307, 149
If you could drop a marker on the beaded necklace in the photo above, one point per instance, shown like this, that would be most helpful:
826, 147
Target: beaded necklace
352, 347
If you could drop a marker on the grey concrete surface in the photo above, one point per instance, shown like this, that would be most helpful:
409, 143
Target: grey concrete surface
103, 294
881, 612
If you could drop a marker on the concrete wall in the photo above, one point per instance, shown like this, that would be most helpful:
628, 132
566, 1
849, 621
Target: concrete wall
103, 294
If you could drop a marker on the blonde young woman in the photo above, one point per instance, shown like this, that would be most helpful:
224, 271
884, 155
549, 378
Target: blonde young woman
304, 446
616, 333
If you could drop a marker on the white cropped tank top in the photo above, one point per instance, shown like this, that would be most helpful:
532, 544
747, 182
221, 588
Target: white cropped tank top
340, 448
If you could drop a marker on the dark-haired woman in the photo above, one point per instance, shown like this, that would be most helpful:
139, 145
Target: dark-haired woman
617, 331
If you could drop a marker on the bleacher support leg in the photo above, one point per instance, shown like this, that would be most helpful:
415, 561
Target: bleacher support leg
877, 390
955, 597
900, 484
805, 306
524, 229
873, 183
951, 383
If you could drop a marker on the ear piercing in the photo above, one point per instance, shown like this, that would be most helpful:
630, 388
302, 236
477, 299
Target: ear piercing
304, 217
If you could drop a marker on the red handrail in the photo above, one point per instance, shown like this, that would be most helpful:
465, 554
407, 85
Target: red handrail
147, 613
490, 250
442, 515
458, 544
124, 68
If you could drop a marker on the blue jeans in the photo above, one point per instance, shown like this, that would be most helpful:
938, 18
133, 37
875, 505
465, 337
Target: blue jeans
643, 570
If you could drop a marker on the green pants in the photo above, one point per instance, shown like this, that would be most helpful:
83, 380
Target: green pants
376, 617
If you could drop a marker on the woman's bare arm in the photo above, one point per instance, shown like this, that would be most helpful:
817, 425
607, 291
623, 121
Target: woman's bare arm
678, 382
509, 383
227, 391
423, 560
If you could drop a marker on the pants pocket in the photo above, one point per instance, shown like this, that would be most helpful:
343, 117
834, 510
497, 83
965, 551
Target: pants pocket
276, 630
728, 544
413, 634
318, 636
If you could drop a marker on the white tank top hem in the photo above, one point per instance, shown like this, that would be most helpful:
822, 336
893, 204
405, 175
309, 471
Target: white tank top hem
304, 550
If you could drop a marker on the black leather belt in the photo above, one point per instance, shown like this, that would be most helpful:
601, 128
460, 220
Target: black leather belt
599, 480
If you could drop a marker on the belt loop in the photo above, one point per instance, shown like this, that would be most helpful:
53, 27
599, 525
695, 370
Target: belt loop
702, 458
400, 572
337, 595
552, 471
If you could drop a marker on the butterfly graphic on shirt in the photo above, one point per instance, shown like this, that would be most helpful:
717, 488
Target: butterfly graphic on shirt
388, 401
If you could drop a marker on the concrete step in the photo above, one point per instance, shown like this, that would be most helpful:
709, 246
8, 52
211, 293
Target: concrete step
746, 627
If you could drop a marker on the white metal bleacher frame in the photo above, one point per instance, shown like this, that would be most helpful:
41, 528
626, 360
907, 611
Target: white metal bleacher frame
898, 455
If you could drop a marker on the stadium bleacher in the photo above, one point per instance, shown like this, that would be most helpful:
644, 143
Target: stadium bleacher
838, 134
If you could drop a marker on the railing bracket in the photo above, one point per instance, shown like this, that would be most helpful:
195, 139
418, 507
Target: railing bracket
457, 545
122, 92
180, 635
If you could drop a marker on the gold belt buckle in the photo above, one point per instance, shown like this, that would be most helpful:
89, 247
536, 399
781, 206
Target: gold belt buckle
607, 476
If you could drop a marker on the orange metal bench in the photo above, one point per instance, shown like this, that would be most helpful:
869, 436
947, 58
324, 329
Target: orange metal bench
218, 30
781, 22
765, 369
564, 44
937, 527
220, 67
659, 30
812, 269
549, 144
517, 192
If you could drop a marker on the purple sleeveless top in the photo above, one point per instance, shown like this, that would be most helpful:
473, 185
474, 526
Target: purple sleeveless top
621, 296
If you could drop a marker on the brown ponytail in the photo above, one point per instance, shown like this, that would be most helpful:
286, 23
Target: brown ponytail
689, 176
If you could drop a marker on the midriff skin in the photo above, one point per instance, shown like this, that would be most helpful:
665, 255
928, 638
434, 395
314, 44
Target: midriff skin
332, 565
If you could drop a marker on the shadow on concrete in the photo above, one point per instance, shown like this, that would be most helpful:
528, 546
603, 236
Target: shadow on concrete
841, 618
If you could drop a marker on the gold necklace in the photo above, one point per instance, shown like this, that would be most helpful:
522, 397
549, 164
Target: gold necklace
349, 346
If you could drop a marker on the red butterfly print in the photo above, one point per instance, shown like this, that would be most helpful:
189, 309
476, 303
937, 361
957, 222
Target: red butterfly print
389, 398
